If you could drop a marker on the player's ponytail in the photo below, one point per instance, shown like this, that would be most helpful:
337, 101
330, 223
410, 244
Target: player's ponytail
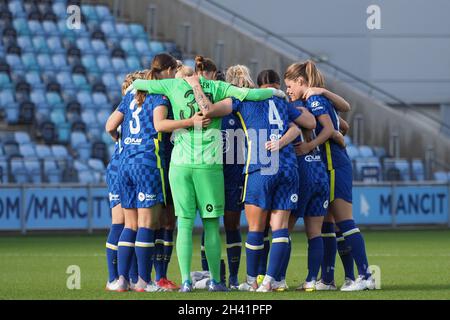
239, 76
160, 63
268, 77
306, 70
203, 66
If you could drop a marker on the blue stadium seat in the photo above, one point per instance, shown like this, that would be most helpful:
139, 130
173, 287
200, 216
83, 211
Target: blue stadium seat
34, 169
43, 151
3, 170
94, 131
365, 152
403, 166
19, 172
57, 116
418, 170
65, 80
380, 152
128, 46
5, 81
21, 26
60, 9
110, 81
77, 138
30, 62
85, 99
142, 46
61, 64
156, 46
108, 29
137, 31
39, 44
63, 130
347, 140
86, 176
99, 47
22, 137
55, 45
123, 30
14, 62
352, 152
89, 12
90, 63
59, 151
80, 165
34, 79
103, 13
39, 99
54, 100
6, 97
84, 44
17, 9
12, 113
441, 176
51, 171
50, 28
119, 65
99, 99
80, 82
36, 28
104, 62
133, 63
97, 168
102, 116
88, 116
25, 44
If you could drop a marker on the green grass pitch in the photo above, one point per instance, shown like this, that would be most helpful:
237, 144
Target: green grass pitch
414, 265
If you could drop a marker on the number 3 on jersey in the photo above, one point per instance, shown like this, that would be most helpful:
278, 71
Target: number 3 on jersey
135, 127
274, 116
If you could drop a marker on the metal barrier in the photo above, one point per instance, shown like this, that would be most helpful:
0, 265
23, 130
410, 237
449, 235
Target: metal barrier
86, 207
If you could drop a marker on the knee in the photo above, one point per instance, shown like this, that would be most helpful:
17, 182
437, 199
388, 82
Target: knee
232, 222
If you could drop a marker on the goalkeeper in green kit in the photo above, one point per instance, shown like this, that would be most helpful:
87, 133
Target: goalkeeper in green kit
196, 174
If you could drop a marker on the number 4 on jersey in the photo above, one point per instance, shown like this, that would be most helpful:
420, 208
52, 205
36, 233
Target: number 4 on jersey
274, 116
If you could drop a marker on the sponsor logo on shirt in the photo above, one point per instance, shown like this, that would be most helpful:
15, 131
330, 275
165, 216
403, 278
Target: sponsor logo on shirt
144, 196
133, 141
294, 198
311, 158
113, 197
325, 204
275, 137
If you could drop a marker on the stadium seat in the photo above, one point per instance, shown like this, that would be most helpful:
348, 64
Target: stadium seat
21, 26
70, 175
137, 31
133, 63
99, 99
156, 47
59, 152
80, 165
353, 152
15, 63
85, 99
25, 44
97, 167
51, 171
17, 9
119, 65
55, 46
84, 44
80, 82
365, 152
39, 44
108, 29
4, 173
36, 28
22, 137
33, 168
18, 171
441, 176
418, 170
38, 98
99, 47
89, 12
29, 62
27, 150
103, 13
90, 63
102, 116
5, 81
34, 79
403, 166
43, 151
86, 176
128, 46
63, 131
60, 9
57, 116
50, 28
123, 31
60, 63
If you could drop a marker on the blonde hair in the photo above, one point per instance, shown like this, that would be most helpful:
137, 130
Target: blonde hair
239, 76
306, 70
129, 78
184, 71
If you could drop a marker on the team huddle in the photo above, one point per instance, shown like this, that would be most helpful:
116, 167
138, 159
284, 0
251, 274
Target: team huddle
197, 141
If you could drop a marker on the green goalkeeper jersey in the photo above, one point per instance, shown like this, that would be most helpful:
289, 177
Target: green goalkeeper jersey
198, 147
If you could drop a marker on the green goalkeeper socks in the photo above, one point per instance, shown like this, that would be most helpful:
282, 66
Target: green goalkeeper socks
213, 247
184, 247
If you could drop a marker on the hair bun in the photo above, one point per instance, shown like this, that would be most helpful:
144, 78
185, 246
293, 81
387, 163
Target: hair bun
199, 59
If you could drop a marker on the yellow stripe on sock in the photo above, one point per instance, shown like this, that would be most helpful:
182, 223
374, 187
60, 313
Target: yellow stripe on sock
168, 243
252, 247
144, 244
111, 246
350, 232
125, 244
328, 235
280, 240
232, 245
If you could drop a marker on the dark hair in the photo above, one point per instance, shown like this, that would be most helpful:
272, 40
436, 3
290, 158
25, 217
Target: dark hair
203, 64
220, 75
160, 62
268, 76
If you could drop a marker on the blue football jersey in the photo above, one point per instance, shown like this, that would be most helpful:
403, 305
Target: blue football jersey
140, 141
333, 155
233, 145
264, 121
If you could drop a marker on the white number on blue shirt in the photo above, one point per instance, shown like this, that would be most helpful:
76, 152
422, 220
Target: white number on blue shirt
274, 116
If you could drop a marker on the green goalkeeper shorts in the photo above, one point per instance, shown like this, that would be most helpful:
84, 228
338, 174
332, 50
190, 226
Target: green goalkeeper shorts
197, 188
